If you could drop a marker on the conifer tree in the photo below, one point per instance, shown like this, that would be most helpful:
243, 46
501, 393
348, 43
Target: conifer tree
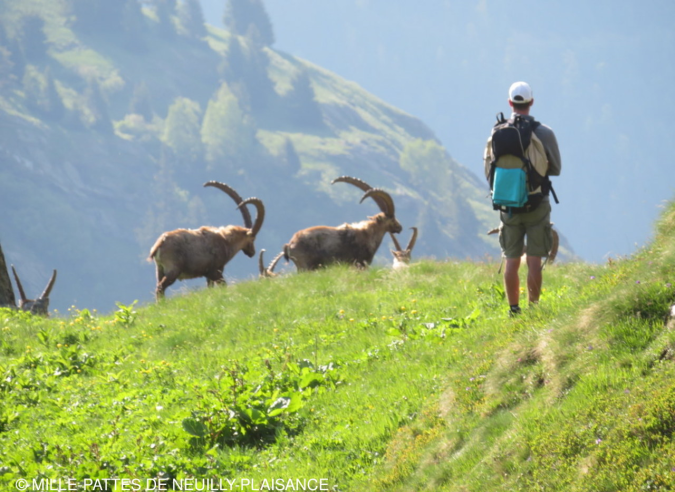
17, 59
241, 14
33, 38
244, 65
7, 77
97, 106
302, 108
166, 10
290, 157
52, 105
140, 102
34, 85
182, 134
191, 18
228, 132
171, 207
255, 76
233, 65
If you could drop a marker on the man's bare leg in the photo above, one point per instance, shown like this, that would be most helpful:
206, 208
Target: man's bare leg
534, 278
512, 281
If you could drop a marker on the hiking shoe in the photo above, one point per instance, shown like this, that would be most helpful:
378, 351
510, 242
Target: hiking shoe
514, 311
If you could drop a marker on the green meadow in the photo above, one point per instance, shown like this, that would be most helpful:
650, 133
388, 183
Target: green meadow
357, 380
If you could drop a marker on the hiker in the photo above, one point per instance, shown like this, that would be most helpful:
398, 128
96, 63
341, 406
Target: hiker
527, 156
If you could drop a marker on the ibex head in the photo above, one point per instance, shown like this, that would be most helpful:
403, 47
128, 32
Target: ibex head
269, 271
383, 200
39, 306
403, 256
254, 227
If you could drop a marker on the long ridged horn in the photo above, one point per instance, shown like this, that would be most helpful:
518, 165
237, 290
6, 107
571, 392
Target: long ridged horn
362, 185
237, 199
383, 199
554, 246
48, 289
22, 294
411, 244
274, 262
355, 181
269, 271
396, 244
260, 216
261, 268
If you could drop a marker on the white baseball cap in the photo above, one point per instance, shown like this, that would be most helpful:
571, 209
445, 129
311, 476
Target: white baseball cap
520, 92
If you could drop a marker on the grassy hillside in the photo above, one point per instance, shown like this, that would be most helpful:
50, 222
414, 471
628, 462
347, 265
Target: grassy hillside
370, 380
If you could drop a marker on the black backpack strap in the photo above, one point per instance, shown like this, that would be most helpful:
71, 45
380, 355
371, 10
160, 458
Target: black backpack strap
555, 197
547, 186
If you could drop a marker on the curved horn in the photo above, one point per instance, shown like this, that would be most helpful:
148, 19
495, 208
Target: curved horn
362, 185
48, 289
383, 200
18, 284
260, 216
235, 196
554, 246
274, 262
261, 268
396, 244
411, 244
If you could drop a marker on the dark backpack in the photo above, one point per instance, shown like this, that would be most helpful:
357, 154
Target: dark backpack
514, 178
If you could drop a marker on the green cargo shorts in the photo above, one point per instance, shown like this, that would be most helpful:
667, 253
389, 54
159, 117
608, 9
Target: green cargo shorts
536, 225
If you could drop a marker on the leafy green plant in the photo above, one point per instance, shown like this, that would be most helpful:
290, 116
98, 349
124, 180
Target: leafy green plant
125, 315
250, 407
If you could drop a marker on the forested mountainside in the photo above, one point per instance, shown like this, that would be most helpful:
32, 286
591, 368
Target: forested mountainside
114, 114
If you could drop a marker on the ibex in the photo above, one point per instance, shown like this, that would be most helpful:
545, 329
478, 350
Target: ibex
402, 256
39, 306
269, 271
204, 252
354, 243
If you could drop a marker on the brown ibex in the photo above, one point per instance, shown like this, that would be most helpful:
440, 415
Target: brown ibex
402, 257
269, 271
354, 243
204, 252
39, 306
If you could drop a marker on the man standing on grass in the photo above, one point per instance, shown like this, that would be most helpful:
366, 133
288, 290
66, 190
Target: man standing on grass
533, 219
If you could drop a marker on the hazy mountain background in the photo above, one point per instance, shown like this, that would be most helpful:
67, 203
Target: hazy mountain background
602, 74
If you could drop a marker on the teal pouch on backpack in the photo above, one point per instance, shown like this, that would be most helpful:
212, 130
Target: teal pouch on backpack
509, 188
